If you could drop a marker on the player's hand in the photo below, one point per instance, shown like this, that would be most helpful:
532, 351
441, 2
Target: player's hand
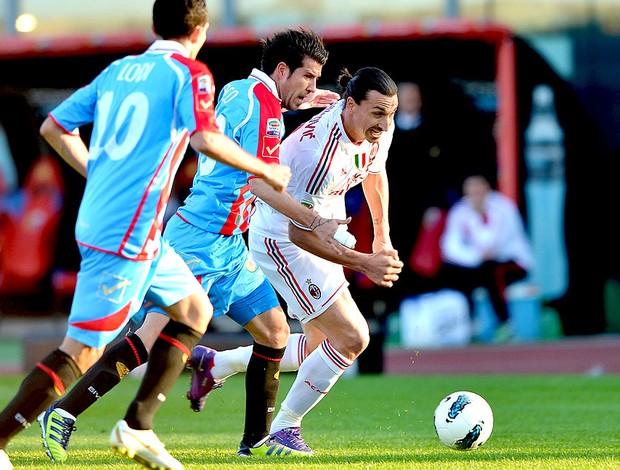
325, 230
319, 99
384, 267
277, 176
383, 243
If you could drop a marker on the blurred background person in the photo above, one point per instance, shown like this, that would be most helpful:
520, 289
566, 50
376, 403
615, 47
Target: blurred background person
409, 114
484, 244
421, 161
431, 153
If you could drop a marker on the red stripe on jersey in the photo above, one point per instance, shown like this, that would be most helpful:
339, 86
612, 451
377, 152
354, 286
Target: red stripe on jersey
239, 213
177, 151
110, 323
177, 157
327, 157
205, 120
270, 125
203, 87
268, 149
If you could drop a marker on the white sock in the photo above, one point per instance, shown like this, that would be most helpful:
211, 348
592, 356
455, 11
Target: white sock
316, 376
231, 362
64, 414
295, 353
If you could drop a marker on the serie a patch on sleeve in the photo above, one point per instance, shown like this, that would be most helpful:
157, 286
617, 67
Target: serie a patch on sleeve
205, 84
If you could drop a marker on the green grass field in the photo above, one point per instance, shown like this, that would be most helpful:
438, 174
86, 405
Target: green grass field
368, 422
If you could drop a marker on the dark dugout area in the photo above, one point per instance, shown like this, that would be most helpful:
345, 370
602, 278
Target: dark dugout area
456, 75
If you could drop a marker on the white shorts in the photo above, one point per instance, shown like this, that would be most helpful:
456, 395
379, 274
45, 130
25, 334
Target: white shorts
307, 283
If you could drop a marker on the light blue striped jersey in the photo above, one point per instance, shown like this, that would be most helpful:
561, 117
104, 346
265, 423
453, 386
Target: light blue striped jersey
144, 108
249, 112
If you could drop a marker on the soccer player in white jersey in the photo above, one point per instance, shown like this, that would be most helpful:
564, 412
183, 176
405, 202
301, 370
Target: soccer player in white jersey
145, 110
344, 145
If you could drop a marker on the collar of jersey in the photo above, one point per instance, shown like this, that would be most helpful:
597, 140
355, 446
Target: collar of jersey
265, 79
164, 45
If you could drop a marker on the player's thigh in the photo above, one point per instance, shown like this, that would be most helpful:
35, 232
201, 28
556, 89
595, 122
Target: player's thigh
244, 293
342, 315
314, 336
175, 289
172, 280
344, 325
268, 325
221, 263
194, 311
307, 283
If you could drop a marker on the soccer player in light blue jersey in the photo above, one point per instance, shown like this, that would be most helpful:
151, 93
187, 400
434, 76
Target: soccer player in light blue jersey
207, 232
145, 110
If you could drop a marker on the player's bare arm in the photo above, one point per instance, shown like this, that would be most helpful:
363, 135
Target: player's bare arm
225, 150
70, 147
382, 267
376, 192
294, 210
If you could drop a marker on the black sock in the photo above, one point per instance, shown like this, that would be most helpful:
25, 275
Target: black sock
117, 361
166, 362
40, 388
262, 381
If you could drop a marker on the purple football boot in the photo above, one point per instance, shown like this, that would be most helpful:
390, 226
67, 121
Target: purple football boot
201, 363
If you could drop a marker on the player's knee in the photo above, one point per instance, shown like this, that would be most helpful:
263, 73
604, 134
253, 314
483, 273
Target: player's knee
270, 328
194, 311
362, 343
281, 334
275, 337
354, 343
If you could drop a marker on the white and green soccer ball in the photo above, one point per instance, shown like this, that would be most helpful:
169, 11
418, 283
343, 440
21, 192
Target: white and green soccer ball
463, 420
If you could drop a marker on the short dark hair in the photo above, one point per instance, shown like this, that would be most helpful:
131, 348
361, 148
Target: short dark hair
291, 46
178, 18
365, 79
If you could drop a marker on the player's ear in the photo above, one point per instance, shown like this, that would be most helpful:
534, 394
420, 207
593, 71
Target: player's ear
198, 32
350, 104
282, 70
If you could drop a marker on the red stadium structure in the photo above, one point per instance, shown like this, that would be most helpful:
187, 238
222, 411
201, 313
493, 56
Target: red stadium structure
498, 36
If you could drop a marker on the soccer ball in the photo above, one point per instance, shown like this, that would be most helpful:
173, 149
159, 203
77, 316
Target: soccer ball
463, 420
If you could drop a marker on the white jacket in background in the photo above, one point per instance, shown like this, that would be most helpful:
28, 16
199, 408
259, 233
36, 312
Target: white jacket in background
467, 236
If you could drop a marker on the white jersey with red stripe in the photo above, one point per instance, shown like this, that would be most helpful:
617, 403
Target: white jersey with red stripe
325, 164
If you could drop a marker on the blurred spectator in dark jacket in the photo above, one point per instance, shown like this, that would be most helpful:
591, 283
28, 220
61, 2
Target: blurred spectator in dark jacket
422, 172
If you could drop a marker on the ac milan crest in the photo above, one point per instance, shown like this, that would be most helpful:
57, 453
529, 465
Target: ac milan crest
313, 289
